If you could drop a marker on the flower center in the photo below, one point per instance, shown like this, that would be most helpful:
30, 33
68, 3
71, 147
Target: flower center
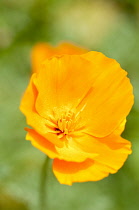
66, 124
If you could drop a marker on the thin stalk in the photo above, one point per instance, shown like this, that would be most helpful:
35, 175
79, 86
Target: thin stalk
43, 186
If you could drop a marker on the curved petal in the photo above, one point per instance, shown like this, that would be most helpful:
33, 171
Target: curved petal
41, 143
62, 83
71, 152
69, 49
48, 146
39, 53
42, 51
120, 128
113, 150
39, 123
27, 106
70, 172
111, 98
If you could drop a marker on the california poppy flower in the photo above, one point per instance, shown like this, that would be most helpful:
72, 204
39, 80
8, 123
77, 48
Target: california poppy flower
77, 107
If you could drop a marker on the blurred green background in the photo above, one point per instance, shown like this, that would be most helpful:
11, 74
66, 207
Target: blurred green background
111, 27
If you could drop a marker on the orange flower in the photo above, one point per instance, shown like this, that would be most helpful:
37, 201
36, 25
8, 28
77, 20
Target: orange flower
77, 107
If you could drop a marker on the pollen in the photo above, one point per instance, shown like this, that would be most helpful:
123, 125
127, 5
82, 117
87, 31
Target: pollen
67, 124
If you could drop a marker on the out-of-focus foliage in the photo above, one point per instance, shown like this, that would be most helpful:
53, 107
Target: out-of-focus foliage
108, 26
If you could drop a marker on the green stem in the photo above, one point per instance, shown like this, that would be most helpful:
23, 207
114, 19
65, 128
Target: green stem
43, 179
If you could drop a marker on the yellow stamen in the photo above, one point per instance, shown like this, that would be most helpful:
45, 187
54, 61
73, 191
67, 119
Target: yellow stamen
68, 124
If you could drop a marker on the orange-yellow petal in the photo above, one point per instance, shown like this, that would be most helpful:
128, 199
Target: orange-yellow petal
71, 152
113, 150
120, 128
37, 122
41, 143
40, 52
27, 106
62, 83
69, 49
70, 172
111, 98
48, 144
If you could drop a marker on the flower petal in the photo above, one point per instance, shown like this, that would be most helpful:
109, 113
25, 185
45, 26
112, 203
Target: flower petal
39, 123
71, 152
27, 106
112, 155
69, 49
111, 98
48, 146
41, 143
69, 172
113, 150
120, 128
62, 82
40, 52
